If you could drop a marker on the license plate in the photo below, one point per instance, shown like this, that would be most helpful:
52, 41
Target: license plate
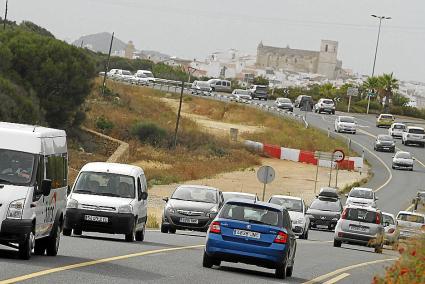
359, 229
189, 221
248, 234
96, 219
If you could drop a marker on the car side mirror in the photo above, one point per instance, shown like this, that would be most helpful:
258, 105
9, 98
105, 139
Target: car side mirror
376, 198
68, 190
144, 195
346, 195
166, 199
386, 224
46, 187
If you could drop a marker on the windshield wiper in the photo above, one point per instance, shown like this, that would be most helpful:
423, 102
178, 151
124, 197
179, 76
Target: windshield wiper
84, 191
109, 194
5, 181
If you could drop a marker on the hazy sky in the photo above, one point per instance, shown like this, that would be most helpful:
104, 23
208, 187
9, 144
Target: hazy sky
195, 28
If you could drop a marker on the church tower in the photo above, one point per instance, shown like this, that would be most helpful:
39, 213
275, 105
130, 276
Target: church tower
328, 59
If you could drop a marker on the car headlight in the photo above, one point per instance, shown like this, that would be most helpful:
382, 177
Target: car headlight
214, 209
125, 209
299, 221
335, 219
16, 209
170, 210
72, 204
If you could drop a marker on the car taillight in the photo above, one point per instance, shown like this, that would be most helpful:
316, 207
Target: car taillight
378, 218
390, 231
281, 238
344, 214
215, 227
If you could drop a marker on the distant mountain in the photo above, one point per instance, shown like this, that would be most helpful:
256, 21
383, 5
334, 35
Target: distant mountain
100, 42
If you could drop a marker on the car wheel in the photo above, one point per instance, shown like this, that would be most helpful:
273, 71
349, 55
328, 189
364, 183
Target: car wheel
26, 246
78, 232
306, 235
207, 261
164, 229
289, 271
395, 245
337, 243
280, 271
132, 235
379, 249
40, 246
140, 235
393, 167
52, 244
67, 232
172, 230
411, 169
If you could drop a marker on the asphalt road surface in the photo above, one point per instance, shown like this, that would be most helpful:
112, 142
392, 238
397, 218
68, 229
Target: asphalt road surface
165, 258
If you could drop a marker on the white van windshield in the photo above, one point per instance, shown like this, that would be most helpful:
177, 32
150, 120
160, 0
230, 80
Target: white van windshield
148, 74
16, 167
106, 184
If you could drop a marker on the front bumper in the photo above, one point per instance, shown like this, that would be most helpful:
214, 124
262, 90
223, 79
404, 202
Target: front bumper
402, 166
118, 223
15, 230
173, 220
390, 148
269, 257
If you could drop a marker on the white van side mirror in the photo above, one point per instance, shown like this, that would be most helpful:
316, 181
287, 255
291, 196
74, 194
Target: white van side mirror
144, 195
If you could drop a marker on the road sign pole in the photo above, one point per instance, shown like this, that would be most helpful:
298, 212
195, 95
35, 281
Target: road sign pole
368, 103
349, 103
336, 175
317, 174
330, 172
264, 187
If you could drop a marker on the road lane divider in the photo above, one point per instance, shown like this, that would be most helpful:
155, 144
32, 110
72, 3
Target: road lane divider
336, 279
347, 268
93, 262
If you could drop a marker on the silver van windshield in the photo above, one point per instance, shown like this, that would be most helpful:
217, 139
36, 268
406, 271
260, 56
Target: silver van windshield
16, 167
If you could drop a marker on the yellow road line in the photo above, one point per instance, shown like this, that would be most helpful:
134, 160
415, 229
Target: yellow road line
344, 269
336, 279
91, 263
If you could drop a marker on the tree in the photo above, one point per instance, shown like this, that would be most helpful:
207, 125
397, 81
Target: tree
260, 80
387, 85
327, 91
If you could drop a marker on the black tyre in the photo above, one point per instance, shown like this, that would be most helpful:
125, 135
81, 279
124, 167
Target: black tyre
40, 246
140, 235
172, 230
67, 232
207, 261
52, 242
164, 229
289, 271
131, 235
25, 246
280, 271
306, 235
78, 232
337, 243
379, 249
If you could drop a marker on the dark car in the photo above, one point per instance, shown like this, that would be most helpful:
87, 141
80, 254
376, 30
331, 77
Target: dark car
191, 207
324, 212
252, 232
304, 102
384, 143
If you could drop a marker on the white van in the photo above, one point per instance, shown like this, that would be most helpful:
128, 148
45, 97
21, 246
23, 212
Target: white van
108, 198
147, 73
33, 188
218, 85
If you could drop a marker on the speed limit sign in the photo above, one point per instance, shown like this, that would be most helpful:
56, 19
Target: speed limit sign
338, 156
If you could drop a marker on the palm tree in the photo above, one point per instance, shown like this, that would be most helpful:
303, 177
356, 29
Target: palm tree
371, 84
387, 85
327, 90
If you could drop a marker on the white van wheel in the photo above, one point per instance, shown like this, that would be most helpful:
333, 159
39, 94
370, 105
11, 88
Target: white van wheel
140, 235
40, 246
26, 246
53, 242
132, 235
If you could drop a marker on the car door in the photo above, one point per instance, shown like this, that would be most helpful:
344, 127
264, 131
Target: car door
291, 236
37, 201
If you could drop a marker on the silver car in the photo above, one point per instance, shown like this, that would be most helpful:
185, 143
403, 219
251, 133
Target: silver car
362, 226
392, 232
403, 160
411, 224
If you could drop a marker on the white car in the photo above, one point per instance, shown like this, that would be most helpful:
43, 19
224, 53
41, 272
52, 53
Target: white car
148, 74
361, 196
297, 211
345, 124
239, 95
33, 186
396, 129
108, 198
140, 79
392, 232
411, 224
403, 160
413, 135
124, 75
325, 105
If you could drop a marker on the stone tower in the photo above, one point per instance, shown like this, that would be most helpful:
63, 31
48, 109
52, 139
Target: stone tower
327, 64
129, 50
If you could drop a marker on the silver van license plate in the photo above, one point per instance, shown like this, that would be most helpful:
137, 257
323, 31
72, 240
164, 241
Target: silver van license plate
96, 219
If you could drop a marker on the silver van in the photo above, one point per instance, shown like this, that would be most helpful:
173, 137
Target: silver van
218, 85
33, 185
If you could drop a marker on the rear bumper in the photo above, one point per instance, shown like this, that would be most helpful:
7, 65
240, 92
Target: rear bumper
15, 230
117, 223
262, 256
365, 240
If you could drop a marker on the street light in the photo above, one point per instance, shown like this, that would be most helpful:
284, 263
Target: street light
376, 50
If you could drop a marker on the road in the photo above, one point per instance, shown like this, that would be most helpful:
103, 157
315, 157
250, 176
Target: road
164, 258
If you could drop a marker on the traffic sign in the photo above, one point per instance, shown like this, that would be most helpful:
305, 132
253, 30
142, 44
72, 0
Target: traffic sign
371, 95
266, 174
352, 92
338, 156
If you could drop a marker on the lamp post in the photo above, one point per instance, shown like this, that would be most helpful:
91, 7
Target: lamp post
376, 51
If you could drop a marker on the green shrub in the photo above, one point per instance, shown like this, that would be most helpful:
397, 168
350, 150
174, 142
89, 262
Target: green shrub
150, 133
104, 124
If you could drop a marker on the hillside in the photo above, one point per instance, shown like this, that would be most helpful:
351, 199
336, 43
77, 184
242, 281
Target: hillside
100, 42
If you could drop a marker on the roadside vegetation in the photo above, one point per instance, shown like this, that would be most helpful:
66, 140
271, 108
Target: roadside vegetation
410, 267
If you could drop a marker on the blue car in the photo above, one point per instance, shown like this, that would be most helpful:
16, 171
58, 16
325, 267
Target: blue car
252, 232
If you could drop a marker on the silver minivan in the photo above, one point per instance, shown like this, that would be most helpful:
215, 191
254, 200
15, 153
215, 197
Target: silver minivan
362, 226
218, 85
33, 185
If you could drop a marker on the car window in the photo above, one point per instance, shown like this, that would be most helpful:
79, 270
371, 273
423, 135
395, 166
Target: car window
399, 126
387, 219
107, 184
326, 205
403, 156
360, 193
385, 138
347, 119
251, 213
230, 195
329, 102
411, 218
195, 194
361, 215
416, 131
288, 203
16, 167
386, 117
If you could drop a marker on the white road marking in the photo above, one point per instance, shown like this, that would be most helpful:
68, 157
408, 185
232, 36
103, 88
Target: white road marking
336, 279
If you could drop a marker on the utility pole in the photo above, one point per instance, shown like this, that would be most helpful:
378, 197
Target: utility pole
82, 42
5, 16
107, 65
178, 115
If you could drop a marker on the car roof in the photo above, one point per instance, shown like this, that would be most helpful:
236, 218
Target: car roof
254, 202
415, 127
388, 214
286, 197
403, 152
239, 193
198, 186
386, 114
411, 213
398, 123
362, 188
341, 116
30, 130
114, 168
370, 208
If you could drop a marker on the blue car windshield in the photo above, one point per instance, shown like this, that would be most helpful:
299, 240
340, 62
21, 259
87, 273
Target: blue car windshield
251, 213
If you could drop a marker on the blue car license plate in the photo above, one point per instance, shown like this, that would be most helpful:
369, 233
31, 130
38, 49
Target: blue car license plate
247, 234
